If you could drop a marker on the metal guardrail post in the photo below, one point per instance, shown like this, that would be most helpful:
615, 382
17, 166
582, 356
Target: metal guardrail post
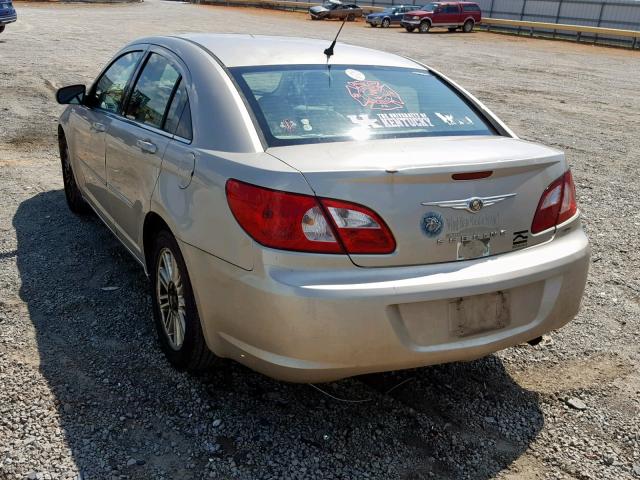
524, 5
599, 20
490, 14
557, 17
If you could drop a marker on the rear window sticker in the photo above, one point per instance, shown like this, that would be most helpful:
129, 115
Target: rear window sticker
288, 125
355, 74
392, 120
374, 95
452, 121
363, 120
403, 120
306, 125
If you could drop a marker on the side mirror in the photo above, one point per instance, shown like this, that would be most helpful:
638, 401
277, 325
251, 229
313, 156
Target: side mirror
73, 94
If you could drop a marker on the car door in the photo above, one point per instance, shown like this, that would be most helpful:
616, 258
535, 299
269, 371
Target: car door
450, 15
136, 142
91, 120
396, 15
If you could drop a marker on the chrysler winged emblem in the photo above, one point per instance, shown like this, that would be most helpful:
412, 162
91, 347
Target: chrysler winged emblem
473, 204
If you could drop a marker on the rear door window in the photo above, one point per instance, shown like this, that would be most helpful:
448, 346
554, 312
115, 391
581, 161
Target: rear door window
153, 91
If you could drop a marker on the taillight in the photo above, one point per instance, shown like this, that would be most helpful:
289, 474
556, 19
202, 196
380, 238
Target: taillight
360, 229
304, 223
557, 204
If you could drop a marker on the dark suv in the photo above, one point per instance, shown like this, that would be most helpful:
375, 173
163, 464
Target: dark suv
451, 15
7, 13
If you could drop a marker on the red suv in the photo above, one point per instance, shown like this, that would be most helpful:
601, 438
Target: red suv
452, 15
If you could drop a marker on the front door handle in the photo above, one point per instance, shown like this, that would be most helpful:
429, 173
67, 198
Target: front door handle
147, 146
98, 127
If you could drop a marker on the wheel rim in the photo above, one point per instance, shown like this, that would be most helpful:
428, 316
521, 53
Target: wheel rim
385, 23
67, 173
170, 295
468, 26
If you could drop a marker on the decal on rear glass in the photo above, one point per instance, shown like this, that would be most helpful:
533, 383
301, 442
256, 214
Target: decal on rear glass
407, 120
289, 126
355, 74
374, 95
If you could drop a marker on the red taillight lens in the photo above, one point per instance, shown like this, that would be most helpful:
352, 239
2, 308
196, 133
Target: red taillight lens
292, 221
557, 204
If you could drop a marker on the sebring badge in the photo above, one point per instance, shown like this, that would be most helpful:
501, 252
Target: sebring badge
473, 204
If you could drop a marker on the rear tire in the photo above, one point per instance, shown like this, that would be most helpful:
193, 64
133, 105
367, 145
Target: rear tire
386, 23
424, 27
72, 193
409, 29
468, 26
351, 17
174, 308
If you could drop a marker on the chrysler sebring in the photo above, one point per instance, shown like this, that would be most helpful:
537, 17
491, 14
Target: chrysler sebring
316, 217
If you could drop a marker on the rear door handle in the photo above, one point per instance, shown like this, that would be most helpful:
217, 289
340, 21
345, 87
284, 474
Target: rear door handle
98, 127
147, 146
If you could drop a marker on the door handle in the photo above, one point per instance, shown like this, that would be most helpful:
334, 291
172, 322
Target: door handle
147, 146
98, 127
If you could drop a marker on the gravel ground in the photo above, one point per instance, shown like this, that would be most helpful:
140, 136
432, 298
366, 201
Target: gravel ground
86, 393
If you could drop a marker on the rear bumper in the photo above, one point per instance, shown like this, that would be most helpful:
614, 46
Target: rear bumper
319, 325
5, 19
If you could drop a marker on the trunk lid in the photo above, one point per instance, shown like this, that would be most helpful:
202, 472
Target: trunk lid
409, 183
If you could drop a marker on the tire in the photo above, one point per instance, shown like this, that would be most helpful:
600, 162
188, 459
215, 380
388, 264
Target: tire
351, 17
424, 27
75, 201
386, 23
452, 29
409, 29
468, 26
185, 350
2, 28
372, 25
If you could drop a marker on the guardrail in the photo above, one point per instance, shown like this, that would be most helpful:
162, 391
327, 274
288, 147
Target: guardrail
553, 28
511, 26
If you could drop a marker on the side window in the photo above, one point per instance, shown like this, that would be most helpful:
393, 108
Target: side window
451, 9
109, 91
471, 8
184, 128
151, 95
179, 115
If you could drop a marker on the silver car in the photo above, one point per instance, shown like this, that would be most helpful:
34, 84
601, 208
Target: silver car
319, 217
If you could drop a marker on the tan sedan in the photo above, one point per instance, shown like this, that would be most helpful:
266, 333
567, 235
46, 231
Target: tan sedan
317, 218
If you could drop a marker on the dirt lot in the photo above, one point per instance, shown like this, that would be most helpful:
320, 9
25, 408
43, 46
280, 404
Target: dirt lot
85, 392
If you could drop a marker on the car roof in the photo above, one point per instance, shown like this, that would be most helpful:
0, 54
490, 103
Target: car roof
235, 50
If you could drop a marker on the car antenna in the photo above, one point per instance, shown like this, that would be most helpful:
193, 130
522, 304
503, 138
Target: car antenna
329, 51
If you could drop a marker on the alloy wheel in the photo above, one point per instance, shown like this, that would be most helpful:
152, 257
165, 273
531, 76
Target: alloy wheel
171, 300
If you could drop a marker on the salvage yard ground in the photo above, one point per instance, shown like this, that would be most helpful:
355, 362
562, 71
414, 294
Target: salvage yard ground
85, 391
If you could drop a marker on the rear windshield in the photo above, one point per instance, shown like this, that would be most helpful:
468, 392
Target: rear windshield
313, 104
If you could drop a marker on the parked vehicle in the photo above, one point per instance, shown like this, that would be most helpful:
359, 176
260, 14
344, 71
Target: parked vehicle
389, 16
336, 9
331, 218
451, 15
7, 14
